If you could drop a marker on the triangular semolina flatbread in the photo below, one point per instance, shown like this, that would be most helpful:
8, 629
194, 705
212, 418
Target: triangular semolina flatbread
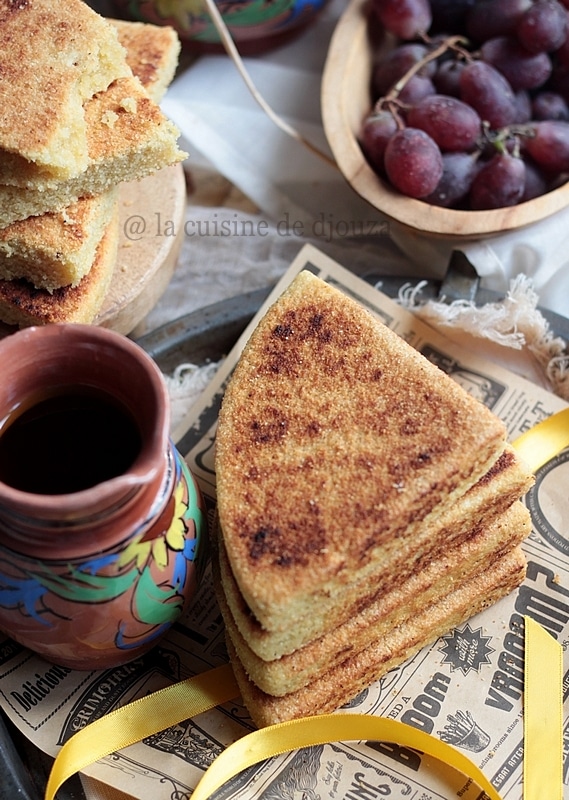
335, 439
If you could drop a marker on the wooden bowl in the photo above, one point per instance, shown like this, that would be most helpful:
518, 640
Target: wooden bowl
345, 103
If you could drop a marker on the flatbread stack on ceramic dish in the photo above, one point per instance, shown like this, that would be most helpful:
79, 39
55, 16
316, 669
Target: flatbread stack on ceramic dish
79, 116
367, 504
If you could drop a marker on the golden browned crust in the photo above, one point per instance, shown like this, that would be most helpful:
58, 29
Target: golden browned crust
55, 56
335, 439
128, 137
506, 481
152, 53
21, 304
57, 249
342, 683
384, 613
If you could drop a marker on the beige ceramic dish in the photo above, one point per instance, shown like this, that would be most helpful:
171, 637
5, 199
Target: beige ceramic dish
345, 102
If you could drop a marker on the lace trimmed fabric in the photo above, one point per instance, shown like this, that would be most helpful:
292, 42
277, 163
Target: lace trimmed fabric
514, 322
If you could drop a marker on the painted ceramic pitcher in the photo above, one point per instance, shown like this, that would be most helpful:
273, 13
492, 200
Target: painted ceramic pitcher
102, 525
254, 25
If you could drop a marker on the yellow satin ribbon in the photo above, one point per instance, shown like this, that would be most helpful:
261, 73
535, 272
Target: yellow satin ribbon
186, 699
543, 704
180, 701
141, 718
543, 714
325, 729
545, 440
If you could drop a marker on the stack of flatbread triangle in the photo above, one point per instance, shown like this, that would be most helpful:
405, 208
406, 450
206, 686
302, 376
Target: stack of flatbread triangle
367, 504
79, 115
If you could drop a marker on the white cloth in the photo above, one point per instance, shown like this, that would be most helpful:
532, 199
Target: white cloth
540, 251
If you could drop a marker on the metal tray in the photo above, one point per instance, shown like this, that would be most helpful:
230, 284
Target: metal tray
204, 335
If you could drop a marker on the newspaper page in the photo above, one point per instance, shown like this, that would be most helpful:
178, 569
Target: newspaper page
466, 687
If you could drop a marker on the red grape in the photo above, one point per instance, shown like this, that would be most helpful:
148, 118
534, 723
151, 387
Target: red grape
415, 89
477, 108
499, 183
522, 69
549, 145
404, 18
535, 184
459, 171
543, 27
562, 53
413, 162
447, 77
452, 124
490, 18
549, 105
523, 107
394, 66
489, 93
376, 131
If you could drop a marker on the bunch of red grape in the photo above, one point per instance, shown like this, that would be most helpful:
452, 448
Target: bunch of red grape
470, 106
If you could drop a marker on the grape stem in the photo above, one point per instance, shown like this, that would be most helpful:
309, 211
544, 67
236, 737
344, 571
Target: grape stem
503, 137
391, 100
452, 43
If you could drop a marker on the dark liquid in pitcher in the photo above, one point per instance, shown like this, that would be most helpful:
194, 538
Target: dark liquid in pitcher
67, 442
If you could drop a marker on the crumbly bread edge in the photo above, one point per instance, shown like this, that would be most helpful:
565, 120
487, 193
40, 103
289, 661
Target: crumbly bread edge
129, 138
56, 249
70, 53
23, 305
345, 681
385, 613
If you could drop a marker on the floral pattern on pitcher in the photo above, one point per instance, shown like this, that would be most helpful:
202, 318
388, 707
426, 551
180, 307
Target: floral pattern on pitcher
153, 571
252, 18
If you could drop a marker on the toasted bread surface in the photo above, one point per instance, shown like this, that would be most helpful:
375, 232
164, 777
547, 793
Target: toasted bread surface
343, 682
386, 612
22, 305
490, 497
123, 123
55, 56
56, 249
152, 53
335, 440
128, 137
